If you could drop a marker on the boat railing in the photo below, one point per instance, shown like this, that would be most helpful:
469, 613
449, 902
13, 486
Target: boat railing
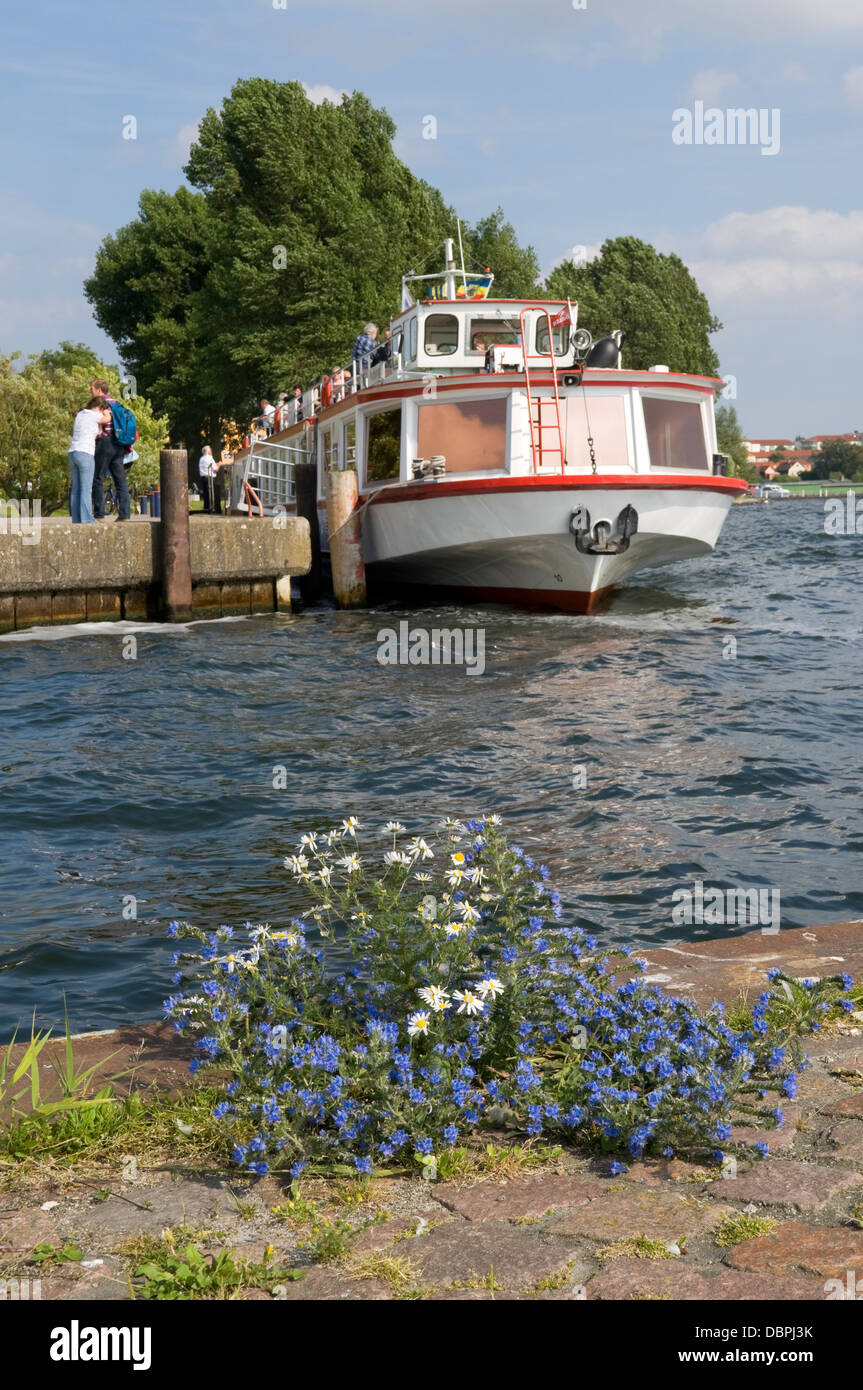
267, 477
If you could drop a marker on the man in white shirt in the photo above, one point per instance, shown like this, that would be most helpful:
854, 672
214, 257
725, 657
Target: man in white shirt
207, 467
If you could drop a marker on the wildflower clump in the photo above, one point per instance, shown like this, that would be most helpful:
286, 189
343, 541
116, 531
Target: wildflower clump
432, 986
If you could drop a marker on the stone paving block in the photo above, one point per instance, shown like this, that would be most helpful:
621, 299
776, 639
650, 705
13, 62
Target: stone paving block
491, 1201
463, 1251
658, 1171
672, 1280
846, 1141
828, 1251
21, 1232
323, 1283
849, 1106
777, 1139
205, 1202
783, 1182
658, 1213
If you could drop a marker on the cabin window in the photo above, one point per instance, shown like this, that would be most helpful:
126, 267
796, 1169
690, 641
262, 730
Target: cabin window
471, 435
329, 450
349, 443
675, 433
441, 335
412, 339
383, 445
559, 336
486, 333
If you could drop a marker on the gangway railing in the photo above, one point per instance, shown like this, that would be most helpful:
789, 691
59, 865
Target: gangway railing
267, 478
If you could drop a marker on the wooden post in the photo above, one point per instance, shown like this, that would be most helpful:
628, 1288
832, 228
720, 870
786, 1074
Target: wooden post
306, 484
346, 542
174, 529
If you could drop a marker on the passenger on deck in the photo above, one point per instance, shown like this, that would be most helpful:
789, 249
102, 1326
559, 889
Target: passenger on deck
267, 417
340, 378
298, 403
385, 351
365, 345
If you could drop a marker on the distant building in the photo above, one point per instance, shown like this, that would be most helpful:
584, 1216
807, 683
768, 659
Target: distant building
819, 440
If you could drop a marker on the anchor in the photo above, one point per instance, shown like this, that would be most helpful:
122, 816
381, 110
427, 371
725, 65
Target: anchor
603, 538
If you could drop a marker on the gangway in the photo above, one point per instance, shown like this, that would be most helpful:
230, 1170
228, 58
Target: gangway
266, 482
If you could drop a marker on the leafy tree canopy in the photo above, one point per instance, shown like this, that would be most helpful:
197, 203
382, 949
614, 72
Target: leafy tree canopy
838, 457
729, 437
651, 296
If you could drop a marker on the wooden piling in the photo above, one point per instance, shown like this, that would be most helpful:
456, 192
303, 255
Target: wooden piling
306, 485
174, 536
346, 544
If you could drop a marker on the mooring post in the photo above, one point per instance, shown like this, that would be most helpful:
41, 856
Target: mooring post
174, 524
346, 542
306, 486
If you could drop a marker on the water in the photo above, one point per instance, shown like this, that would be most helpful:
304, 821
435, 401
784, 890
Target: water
153, 778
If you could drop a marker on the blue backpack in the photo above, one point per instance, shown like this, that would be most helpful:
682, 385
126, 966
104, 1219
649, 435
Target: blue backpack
125, 424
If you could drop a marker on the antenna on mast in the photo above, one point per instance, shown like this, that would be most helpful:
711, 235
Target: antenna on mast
461, 256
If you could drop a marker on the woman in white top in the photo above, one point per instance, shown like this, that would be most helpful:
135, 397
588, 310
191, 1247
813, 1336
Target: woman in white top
82, 456
207, 468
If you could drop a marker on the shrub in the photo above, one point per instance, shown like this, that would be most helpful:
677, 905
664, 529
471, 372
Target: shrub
432, 986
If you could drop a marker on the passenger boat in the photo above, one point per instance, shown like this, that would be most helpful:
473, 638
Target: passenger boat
503, 455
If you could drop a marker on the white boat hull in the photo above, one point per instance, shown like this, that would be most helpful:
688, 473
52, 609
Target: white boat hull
514, 545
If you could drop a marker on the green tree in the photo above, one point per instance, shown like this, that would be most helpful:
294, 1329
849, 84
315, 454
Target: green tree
729, 438
651, 296
37, 406
837, 458
68, 355
492, 243
143, 294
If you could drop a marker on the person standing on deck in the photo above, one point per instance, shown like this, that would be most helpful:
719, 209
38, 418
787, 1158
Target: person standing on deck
364, 346
207, 469
109, 458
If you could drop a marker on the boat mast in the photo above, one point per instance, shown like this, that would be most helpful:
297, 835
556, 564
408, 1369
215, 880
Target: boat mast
449, 255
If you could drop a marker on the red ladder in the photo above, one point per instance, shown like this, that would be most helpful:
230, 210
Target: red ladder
537, 425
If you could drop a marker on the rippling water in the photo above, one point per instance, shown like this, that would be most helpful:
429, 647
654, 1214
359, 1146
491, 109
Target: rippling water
153, 778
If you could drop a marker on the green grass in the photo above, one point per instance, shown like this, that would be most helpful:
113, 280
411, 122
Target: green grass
734, 1229
186, 1273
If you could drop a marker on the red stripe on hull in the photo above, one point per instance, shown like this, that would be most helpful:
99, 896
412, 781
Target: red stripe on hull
568, 601
576, 482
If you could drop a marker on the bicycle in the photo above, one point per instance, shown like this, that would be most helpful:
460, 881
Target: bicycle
112, 504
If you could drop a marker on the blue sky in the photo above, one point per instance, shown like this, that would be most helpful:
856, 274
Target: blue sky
563, 115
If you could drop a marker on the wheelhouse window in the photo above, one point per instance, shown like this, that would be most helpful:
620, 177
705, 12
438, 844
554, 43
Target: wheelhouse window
486, 333
441, 335
559, 336
383, 445
675, 434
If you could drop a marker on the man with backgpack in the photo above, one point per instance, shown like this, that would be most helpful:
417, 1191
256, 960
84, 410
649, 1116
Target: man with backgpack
111, 446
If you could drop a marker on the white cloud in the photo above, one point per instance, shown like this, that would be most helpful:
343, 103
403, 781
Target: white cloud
321, 92
709, 85
852, 84
792, 254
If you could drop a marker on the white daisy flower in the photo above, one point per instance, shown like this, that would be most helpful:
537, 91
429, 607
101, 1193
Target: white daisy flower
393, 827
350, 826
454, 877
419, 849
296, 863
469, 1002
418, 1023
494, 820
452, 929
396, 856
475, 874
469, 913
309, 840
458, 858
423, 878
325, 874
350, 863
490, 989
435, 996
